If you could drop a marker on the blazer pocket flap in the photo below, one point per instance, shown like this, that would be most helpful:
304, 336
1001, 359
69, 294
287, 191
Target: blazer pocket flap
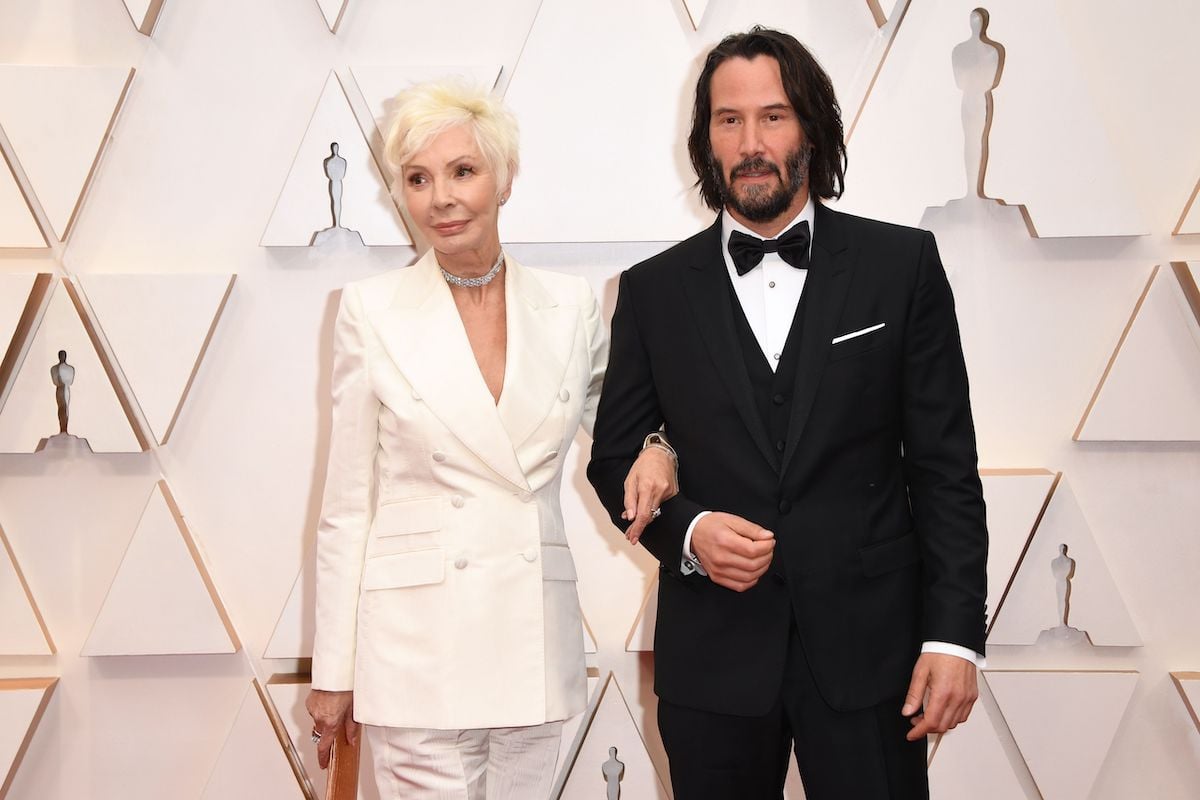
558, 565
417, 568
420, 515
890, 555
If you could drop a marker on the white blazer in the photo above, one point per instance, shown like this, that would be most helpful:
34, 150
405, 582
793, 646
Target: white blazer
445, 588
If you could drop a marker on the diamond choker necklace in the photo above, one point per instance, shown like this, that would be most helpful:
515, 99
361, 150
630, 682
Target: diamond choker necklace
482, 280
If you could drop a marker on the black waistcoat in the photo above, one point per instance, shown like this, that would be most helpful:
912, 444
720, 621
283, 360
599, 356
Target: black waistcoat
773, 391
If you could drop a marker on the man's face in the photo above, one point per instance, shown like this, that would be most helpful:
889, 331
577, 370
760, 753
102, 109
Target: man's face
759, 152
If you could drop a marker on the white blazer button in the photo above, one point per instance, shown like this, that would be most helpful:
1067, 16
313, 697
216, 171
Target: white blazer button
530, 555
439, 456
460, 563
457, 501
564, 395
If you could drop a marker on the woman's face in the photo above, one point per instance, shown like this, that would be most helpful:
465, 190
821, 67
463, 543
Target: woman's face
452, 195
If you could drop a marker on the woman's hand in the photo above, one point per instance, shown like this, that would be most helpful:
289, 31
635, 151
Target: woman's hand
652, 480
333, 715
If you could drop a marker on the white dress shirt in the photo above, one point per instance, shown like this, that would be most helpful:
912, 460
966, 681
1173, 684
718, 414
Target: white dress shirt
768, 295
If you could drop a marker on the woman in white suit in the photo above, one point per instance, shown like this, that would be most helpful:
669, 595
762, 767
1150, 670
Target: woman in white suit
447, 617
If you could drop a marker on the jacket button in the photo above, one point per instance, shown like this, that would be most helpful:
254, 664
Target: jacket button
564, 395
530, 555
785, 506
781, 445
457, 501
460, 563
439, 456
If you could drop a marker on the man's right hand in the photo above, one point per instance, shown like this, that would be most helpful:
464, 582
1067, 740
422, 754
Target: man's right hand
735, 552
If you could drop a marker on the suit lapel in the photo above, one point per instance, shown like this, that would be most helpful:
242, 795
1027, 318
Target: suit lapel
706, 286
423, 334
541, 334
830, 270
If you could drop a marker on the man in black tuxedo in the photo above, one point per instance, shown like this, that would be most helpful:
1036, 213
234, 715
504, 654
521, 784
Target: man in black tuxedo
822, 572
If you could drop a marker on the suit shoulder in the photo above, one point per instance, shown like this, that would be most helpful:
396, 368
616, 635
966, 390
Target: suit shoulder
376, 290
563, 286
878, 231
676, 256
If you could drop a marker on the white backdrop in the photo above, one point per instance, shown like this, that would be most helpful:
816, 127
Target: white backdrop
204, 144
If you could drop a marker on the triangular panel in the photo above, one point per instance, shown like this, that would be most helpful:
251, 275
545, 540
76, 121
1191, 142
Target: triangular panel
293, 636
24, 631
1040, 165
303, 207
18, 228
378, 85
253, 762
695, 10
971, 756
30, 412
333, 10
1094, 602
23, 701
158, 327
161, 600
612, 725
907, 143
144, 14
560, 102
1015, 502
1151, 388
14, 295
641, 637
1188, 684
58, 120
1063, 723
1189, 222
573, 732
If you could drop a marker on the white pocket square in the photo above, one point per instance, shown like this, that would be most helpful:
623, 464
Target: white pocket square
856, 334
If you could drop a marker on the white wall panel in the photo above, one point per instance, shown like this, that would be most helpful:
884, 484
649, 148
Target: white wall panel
18, 228
58, 120
30, 414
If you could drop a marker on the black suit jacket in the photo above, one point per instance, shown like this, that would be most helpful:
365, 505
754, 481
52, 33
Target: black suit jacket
877, 510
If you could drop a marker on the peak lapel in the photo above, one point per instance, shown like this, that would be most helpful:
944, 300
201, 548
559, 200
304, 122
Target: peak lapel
423, 334
830, 270
541, 334
706, 286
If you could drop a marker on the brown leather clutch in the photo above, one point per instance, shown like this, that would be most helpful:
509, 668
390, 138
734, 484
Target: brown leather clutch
343, 768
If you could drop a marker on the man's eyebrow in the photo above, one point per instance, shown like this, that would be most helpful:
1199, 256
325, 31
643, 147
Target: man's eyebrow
771, 107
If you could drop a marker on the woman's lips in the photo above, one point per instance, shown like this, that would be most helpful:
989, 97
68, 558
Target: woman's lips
446, 228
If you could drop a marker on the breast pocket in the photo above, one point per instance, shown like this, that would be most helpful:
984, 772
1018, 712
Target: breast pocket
858, 341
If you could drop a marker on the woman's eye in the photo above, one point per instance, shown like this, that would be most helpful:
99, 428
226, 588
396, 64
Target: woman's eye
463, 171
416, 180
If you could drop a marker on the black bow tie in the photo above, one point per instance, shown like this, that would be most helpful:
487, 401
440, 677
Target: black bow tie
747, 251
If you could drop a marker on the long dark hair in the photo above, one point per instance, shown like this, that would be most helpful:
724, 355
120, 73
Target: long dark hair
810, 93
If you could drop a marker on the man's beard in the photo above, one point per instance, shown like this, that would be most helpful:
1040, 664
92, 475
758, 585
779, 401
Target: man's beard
759, 203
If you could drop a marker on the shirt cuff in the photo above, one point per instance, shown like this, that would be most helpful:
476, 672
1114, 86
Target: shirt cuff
690, 563
945, 648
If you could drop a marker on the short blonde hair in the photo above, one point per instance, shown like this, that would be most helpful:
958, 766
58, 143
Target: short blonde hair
425, 110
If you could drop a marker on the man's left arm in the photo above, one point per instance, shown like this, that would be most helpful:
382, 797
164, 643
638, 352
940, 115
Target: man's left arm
942, 473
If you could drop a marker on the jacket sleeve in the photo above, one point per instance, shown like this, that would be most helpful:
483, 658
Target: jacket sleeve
348, 503
941, 464
628, 411
597, 349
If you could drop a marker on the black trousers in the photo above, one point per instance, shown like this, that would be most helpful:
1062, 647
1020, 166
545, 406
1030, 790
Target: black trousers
858, 755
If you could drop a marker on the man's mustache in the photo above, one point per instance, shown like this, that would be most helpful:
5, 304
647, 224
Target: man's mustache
757, 164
